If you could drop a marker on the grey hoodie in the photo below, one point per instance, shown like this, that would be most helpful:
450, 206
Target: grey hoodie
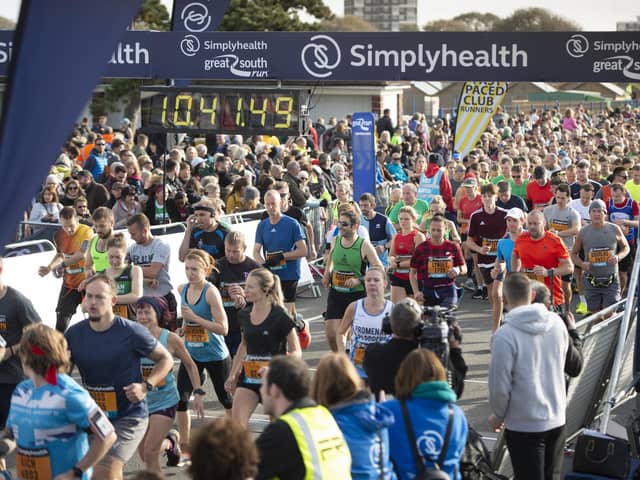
526, 373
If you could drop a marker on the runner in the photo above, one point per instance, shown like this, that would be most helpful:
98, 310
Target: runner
108, 350
486, 227
267, 330
603, 246
16, 313
469, 203
565, 222
364, 318
204, 327
515, 219
434, 267
279, 246
163, 401
624, 212
96, 259
72, 241
380, 228
344, 270
542, 256
403, 245
51, 414
581, 205
230, 276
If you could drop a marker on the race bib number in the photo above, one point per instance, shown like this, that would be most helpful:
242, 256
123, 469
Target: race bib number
358, 356
195, 335
279, 266
252, 366
3, 323
146, 371
106, 399
33, 464
558, 225
227, 302
339, 279
492, 243
439, 266
598, 257
403, 258
533, 276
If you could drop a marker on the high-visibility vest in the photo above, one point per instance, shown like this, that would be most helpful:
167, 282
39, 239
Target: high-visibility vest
324, 451
429, 187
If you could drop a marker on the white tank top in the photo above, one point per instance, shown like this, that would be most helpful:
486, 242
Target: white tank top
366, 329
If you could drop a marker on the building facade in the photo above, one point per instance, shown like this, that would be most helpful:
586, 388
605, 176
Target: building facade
386, 15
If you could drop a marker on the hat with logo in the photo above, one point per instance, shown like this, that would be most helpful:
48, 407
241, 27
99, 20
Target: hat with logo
470, 182
597, 205
516, 213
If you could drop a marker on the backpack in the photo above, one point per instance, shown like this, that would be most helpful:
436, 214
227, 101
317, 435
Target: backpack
475, 463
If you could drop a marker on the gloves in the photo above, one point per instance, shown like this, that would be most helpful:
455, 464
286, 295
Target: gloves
274, 260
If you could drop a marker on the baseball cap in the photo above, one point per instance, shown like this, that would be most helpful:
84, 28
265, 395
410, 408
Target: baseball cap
456, 155
562, 153
597, 205
470, 182
197, 161
516, 213
539, 172
84, 173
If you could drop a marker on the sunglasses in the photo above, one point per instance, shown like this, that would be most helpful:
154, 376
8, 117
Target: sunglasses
345, 224
72, 187
100, 144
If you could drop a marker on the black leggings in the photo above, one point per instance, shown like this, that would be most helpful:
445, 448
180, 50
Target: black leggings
536, 456
218, 371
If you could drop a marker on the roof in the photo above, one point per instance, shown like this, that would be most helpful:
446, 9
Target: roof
620, 92
545, 87
429, 88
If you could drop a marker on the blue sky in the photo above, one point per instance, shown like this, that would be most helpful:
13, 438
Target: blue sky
591, 14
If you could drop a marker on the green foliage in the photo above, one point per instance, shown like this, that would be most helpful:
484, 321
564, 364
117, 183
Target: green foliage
273, 15
153, 15
522, 20
348, 23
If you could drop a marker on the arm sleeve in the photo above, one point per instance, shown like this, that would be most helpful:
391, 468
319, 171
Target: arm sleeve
500, 377
298, 233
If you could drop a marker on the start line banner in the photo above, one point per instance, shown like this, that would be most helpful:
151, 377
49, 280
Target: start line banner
315, 56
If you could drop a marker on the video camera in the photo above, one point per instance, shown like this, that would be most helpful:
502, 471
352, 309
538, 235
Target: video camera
437, 325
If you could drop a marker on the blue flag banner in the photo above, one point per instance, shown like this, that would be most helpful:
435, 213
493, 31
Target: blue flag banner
197, 17
312, 56
53, 72
364, 154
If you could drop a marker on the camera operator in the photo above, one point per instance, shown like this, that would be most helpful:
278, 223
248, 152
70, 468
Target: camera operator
573, 362
382, 360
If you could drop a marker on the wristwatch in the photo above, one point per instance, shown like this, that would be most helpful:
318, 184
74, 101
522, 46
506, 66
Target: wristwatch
199, 391
77, 471
149, 386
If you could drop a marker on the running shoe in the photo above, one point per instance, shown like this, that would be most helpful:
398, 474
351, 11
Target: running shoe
470, 284
582, 309
173, 452
478, 294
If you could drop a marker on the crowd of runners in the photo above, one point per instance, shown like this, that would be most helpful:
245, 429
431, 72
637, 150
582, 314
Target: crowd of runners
546, 202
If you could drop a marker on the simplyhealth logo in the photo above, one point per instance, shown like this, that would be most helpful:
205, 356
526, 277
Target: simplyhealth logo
195, 17
577, 45
321, 56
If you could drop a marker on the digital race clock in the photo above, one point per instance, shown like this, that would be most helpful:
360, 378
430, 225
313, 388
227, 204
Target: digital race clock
206, 110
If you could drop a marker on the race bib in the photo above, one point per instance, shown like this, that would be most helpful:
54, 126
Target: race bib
3, 323
33, 464
195, 335
492, 243
281, 265
252, 365
358, 356
558, 225
227, 302
533, 276
106, 399
403, 258
146, 371
439, 266
338, 280
598, 257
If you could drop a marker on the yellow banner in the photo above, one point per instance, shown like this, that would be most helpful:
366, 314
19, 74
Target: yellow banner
477, 105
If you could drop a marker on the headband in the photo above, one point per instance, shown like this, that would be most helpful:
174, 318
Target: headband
206, 209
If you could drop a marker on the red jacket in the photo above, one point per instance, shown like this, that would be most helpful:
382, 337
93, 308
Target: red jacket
445, 185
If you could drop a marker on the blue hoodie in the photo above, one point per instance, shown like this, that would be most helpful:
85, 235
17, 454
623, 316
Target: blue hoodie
364, 424
429, 413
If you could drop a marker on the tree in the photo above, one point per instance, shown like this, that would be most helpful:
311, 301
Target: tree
6, 24
273, 15
125, 92
535, 20
348, 23
522, 20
